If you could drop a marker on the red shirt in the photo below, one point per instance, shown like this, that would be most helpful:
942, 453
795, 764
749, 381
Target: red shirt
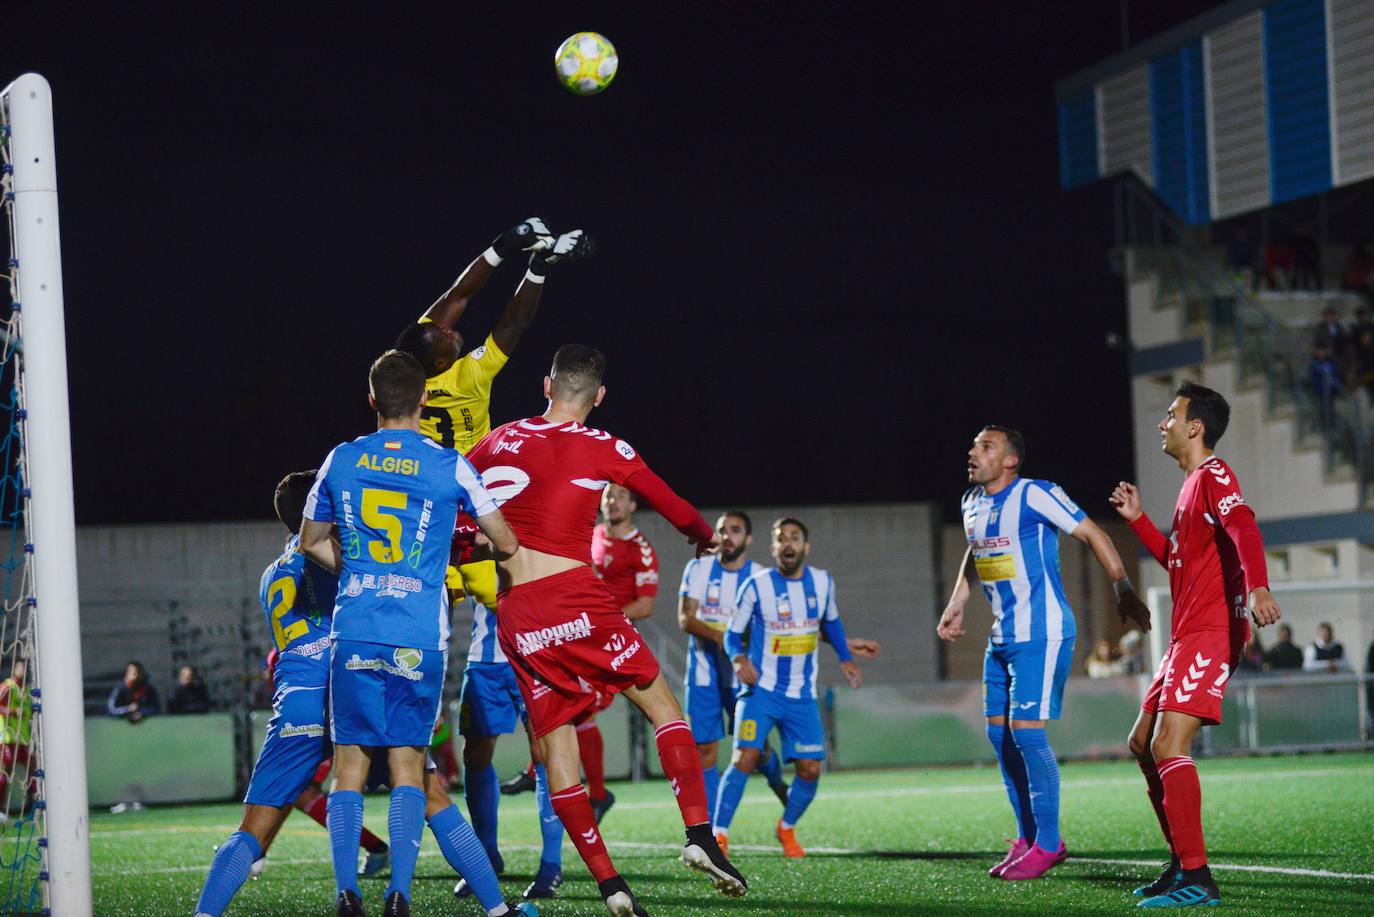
547, 478
628, 565
1214, 555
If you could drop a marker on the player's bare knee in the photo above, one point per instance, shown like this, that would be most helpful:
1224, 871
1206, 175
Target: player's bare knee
436, 797
808, 769
707, 751
745, 759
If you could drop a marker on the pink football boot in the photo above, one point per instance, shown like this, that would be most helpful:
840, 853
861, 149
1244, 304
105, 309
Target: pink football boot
1035, 863
1019, 847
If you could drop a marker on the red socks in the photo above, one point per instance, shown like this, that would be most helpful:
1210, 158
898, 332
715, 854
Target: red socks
592, 750
677, 752
317, 809
575, 810
1154, 788
1183, 806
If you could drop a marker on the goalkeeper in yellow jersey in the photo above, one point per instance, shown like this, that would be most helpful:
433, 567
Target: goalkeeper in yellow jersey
457, 415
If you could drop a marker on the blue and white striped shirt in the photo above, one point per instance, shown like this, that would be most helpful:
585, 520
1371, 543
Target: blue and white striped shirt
787, 617
1015, 539
484, 646
714, 588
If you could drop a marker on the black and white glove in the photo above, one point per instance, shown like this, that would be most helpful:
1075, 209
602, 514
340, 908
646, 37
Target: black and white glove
523, 237
570, 246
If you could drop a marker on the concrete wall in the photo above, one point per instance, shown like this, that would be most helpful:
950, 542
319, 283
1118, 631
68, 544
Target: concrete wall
169, 594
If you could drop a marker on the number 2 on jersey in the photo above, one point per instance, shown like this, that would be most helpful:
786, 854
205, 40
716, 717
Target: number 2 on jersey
376, 502
286, 588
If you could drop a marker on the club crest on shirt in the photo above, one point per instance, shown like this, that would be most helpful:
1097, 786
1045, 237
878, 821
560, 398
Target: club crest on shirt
784, 607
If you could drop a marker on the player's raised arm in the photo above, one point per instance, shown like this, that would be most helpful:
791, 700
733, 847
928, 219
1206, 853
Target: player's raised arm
519, 312
449, 307
682, 515
1126, 499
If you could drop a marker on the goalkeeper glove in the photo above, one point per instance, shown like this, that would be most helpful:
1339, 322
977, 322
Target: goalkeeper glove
568, 247
1129, 606
521, 238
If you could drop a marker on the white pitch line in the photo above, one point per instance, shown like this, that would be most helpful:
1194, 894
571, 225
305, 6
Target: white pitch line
992, 786
765, 848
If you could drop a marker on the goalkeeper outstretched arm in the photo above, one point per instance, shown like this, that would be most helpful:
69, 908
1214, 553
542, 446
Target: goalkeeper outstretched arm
449, 308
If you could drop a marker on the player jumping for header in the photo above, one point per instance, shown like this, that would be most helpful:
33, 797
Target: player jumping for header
1011, 523
1215, 559
565, 636
456, 415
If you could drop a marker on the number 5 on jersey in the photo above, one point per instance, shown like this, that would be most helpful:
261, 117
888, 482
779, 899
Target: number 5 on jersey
375, 505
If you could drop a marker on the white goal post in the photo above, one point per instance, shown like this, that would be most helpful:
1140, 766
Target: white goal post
47, 469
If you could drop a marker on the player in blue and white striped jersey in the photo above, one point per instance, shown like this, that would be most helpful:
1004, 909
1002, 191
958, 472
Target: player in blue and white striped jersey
1013, 524
706, 603
785, 611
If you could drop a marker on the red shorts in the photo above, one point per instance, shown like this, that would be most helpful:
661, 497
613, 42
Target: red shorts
570, 645
1193, 674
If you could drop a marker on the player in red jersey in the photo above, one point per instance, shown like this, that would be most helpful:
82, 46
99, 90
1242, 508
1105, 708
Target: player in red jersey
1215, 559
564, 634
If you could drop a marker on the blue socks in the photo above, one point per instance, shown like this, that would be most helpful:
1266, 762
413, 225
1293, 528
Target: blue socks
465, 854
1042, 774
406, 826
549, 824
1014, 777
731, 789
771, 768
482, 790
799, 796
228, 872
711, 777
345, 820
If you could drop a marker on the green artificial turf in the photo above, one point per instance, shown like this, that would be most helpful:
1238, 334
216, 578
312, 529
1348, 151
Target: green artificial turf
882, 842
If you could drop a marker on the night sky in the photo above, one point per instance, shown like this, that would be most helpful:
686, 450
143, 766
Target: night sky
832, 241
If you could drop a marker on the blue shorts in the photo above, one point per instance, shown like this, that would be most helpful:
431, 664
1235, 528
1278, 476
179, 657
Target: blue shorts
490, 704
1025, 681
709, 708
798, 721
384, 696
297, 740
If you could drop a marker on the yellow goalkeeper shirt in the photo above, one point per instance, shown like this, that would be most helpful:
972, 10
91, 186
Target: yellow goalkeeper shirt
457, 413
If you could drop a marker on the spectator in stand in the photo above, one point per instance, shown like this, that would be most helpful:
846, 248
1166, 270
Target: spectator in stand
1102, 663
1279, 265
1364, 358
1331, 334
1284, 654
190, 695
1358, 276
1307, 261
1324, 375
1241, 257
135, 697
1324, 654
1130, 657
1252, 658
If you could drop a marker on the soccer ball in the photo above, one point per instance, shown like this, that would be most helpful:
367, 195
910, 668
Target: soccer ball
586, 63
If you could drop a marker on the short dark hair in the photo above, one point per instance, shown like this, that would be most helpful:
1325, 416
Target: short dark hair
792, 520
1015, 441
577, 371
398, 382
743, 516
417, 340
289, 498
1208, 406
